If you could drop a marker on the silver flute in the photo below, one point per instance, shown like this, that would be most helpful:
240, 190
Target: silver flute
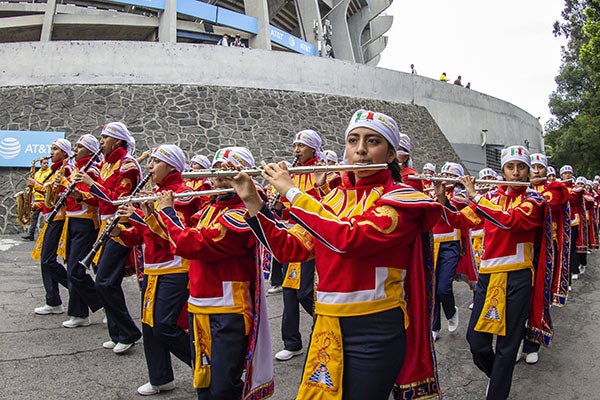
142, 199
225, 173
430, 178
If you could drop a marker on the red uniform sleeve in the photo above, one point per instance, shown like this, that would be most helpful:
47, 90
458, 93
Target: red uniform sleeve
131, 236
287, 245
414, 183
525, 216
454, 217
127, 182
378, 228
556, 194
220, 240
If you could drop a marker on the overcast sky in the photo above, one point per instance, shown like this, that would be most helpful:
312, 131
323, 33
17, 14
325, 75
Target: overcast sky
504, 48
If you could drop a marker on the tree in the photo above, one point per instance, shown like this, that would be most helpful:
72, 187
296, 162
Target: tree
574, 130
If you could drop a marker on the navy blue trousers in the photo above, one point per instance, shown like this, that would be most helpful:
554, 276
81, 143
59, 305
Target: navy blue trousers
53, 272
109, 277
229, 344
374, 346
292, 299
82, 291
498, 364
574, 258
445, 270
166, 336
276, 273
35, 216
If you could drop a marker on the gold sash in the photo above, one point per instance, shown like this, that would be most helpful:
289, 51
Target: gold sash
493, 315
292, 276
61, 251
324, 368
436, 251
103, 224
149, 296
478, 249
202, 347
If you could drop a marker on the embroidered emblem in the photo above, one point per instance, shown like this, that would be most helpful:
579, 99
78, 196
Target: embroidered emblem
293, 274
492, 312
204, 359
204, 341
321, 373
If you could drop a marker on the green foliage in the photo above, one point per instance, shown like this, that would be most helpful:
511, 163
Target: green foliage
574, 132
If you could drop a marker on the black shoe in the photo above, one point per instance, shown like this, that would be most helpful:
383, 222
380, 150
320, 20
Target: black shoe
27, 237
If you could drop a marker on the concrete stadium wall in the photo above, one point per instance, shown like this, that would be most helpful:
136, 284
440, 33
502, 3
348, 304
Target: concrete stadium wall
460, 113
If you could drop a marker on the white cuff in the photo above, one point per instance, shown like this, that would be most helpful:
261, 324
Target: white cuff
292, 193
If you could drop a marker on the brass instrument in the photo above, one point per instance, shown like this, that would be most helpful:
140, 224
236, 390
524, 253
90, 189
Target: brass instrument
51, 194
292, 170
63, 197
105, 234
24, 198
141, 199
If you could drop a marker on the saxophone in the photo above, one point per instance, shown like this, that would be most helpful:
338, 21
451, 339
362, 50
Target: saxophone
24, 198
51, 194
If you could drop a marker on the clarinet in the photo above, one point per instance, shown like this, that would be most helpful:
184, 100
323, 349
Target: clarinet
277, 197
63, 197
105, 234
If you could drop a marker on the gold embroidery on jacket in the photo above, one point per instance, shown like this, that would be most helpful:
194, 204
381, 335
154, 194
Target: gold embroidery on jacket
383, 211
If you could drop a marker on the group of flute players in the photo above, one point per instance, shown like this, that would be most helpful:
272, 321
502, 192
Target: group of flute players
379, 245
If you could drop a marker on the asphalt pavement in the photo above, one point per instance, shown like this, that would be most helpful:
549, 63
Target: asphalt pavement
39, 359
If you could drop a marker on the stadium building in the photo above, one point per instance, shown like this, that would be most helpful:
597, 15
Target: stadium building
70, 66
350, 30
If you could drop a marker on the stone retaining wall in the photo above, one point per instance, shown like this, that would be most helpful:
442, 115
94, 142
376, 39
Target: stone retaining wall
200, 119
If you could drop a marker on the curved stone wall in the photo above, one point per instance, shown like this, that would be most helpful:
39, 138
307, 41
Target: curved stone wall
200, 119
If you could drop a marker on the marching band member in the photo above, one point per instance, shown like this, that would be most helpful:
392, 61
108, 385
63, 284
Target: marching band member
298, 282
165, 285
477, 232
367, 237
447, 248
38, 198
592, 220
226, 303
119, 175
51, 241
330, 157
334, 179
596, 195
515, 218
579, 242
428, 169
486, 174
557, 196
82, 225
405, 161
199, 163
551, 174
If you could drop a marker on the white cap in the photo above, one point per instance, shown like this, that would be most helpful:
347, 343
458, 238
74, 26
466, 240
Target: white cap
452, 168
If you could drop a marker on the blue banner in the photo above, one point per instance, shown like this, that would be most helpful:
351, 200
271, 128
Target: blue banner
197, 9
156, 4
20, 148
292, 42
